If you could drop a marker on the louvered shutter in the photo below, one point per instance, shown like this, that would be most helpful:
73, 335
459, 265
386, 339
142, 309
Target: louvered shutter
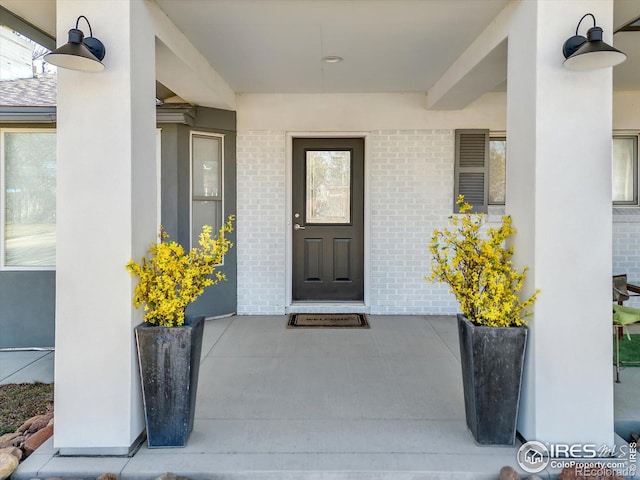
472, 168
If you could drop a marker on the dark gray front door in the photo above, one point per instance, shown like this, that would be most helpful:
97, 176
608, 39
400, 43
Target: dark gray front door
328, 219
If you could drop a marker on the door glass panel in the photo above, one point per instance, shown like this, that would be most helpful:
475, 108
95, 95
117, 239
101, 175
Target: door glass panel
328, 187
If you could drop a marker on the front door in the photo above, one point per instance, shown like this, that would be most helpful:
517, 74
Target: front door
328, 219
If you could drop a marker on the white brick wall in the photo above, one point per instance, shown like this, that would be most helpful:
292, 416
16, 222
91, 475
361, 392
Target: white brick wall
261, 222
411, 185
411, 194
626, 251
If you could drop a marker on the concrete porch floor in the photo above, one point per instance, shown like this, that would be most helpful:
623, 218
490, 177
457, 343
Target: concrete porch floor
277, 403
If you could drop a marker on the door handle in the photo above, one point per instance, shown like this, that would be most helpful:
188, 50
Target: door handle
297, 226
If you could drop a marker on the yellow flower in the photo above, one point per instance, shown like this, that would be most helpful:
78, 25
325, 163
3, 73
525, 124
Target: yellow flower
479, 270
170, 279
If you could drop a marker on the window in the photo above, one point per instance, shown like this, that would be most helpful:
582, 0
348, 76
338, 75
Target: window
625, 170
206, 182
473, 169
28, 213
497, 170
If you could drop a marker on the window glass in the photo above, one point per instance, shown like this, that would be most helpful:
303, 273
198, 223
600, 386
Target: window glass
29, 183
206, 167
625, 168
205, 212
497, 171
328, 187
206, 178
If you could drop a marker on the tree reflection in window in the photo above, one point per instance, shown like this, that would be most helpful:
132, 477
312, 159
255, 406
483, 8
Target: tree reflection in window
328, 187
29, 199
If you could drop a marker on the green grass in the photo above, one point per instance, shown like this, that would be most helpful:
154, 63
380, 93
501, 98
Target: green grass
629, 350
20, 402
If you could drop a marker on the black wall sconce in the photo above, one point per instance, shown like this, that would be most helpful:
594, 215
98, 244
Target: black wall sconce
80, 53
590, 53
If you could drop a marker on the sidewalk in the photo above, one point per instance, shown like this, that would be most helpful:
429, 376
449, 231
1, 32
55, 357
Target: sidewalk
26, 367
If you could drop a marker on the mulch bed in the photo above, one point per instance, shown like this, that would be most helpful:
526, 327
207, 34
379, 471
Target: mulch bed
20, 402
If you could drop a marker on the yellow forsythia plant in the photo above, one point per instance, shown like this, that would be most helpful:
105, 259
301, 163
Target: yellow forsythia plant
479, 270
170, 279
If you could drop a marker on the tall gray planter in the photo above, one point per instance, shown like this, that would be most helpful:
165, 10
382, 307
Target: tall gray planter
169, 359
492, 359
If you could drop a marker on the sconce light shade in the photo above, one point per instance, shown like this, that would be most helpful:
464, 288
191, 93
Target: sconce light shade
80, 53
590, 53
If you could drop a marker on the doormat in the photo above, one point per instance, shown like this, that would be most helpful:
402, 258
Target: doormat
327, 320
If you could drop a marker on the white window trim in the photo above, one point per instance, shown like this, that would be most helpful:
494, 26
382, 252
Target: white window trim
3, 200
221, 136
158, 178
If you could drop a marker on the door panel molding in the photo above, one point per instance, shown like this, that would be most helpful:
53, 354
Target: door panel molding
313, 259
342, 251
337, 306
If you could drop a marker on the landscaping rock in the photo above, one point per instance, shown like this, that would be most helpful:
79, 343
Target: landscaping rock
568, 474
16, 452
107, 476
8, 463
171, 476
11, 440
27, 424
29, 436
571, 473
40, 422
32, 443
508, 473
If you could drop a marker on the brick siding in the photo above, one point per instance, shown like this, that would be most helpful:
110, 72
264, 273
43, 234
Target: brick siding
410, 192
626, 254
411, 180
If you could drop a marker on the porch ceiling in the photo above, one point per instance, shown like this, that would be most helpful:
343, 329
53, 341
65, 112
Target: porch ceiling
276, 46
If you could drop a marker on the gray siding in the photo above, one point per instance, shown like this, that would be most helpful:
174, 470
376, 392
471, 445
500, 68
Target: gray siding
176, 201
27, 308
27, 298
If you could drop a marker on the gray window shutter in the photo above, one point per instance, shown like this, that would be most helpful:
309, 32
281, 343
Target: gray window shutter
472, 169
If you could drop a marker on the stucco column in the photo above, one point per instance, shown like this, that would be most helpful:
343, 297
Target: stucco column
559, 193
106, 214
